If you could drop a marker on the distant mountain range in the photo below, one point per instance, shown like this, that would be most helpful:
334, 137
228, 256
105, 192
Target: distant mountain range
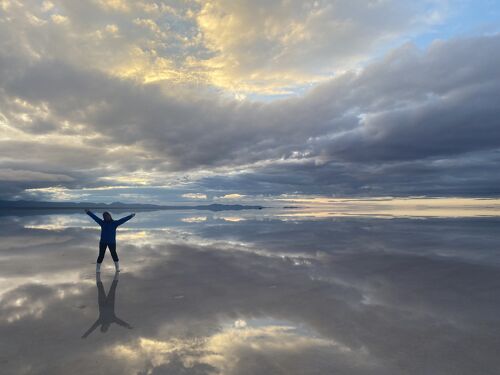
34, 205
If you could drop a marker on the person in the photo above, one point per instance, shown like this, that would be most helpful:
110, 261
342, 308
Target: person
107, 314
108, 236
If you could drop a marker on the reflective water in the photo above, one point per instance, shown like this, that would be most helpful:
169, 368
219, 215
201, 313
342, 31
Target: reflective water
251, 293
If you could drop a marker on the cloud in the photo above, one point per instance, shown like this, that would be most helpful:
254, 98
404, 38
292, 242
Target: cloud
276, 45
194, 196
20, 175
412, 121
232, 196
245, 46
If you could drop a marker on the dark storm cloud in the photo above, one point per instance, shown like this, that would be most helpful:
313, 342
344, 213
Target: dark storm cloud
189, 132
414, 105
470, 174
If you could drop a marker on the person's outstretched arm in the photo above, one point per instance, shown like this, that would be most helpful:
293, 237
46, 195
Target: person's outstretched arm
91, 329
98, 220
124, 219
122, 323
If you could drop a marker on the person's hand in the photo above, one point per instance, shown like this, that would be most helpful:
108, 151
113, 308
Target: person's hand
133, 214
87, 210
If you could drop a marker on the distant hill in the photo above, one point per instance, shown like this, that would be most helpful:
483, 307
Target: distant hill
22, 204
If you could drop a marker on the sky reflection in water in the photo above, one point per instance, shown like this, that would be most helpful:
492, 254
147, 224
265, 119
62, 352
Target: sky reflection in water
239, 293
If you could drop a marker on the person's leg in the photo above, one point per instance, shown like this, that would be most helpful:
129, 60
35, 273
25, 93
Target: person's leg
114, 255
102, 250
112, 249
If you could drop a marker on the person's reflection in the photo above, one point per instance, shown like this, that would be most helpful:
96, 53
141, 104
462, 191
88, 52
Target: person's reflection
106, 307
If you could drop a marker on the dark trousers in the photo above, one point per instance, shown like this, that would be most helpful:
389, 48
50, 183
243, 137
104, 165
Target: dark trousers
102, 250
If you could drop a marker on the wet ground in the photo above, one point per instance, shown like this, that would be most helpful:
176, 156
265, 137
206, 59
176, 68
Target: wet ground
251, 293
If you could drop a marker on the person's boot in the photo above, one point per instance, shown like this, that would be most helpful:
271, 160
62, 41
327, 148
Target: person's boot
117, 266
98, 267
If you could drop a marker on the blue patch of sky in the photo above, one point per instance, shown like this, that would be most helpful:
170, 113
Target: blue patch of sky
466, 18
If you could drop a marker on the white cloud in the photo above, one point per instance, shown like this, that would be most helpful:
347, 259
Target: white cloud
246, 47
194, 196
194, 219
231, 196
272, 46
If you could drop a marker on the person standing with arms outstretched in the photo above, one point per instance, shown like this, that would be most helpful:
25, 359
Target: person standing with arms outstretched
108, 236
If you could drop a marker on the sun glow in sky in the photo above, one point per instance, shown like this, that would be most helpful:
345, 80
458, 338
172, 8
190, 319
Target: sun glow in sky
229, 101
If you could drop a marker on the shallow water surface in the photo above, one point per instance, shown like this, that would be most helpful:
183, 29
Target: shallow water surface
251, 293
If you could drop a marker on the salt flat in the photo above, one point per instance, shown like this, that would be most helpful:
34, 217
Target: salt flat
251, 293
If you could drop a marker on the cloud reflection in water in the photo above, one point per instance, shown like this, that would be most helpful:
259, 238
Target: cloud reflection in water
335, 295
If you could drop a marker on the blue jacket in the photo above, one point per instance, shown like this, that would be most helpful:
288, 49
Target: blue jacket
108, 228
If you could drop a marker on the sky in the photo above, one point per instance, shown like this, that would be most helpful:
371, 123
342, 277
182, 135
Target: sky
225, 101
